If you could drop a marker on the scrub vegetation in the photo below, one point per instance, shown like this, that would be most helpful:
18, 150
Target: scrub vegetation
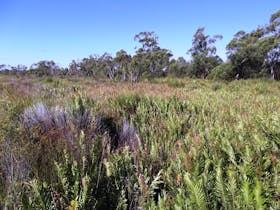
163, 144
146, 131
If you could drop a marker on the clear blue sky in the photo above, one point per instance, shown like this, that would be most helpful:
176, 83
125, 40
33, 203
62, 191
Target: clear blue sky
62, 30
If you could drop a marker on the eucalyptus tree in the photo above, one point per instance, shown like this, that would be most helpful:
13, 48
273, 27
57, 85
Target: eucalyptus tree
88, 66
122, 60
74, 66
152, 60
136, 67
45, 68
203, 52
256, 54
148, 40
106, 66
247, 53
273, 55
20, 67
179, 67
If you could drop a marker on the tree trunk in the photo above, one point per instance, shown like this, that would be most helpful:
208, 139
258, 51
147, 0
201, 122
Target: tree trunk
272, 73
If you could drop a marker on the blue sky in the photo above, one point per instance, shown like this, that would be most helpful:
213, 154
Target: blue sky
63, 30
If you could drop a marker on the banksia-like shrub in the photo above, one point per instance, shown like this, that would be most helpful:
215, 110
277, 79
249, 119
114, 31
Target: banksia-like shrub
51, 131
80, 115
128, 136
53, 123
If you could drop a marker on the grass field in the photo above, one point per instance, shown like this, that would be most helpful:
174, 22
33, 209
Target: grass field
160, 144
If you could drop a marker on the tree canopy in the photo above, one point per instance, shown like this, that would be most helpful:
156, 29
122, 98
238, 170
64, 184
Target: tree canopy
249, 55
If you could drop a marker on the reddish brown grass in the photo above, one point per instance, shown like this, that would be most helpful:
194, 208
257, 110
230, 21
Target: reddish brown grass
103, 90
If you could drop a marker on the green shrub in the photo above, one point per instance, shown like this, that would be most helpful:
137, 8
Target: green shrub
203, 149
216, 87
223, 71
49, 79
175, 83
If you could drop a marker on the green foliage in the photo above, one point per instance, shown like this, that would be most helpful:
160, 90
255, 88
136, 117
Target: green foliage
176, 83
256, 54
214, 145
223, 71
179, 68
203, 54
150, 60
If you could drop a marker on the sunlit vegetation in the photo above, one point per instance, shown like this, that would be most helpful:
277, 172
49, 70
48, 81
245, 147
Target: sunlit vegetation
163, 144
146, 131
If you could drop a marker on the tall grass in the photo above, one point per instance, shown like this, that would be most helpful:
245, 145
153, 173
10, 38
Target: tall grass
202, 145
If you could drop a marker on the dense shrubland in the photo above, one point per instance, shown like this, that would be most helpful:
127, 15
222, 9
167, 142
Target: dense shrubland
78, 138
206, 145
254, 54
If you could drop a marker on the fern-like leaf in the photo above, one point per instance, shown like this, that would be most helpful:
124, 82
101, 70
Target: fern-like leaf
196, 192
258, 198
220, 188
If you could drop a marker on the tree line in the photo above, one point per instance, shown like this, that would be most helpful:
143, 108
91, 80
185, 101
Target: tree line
254, 54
